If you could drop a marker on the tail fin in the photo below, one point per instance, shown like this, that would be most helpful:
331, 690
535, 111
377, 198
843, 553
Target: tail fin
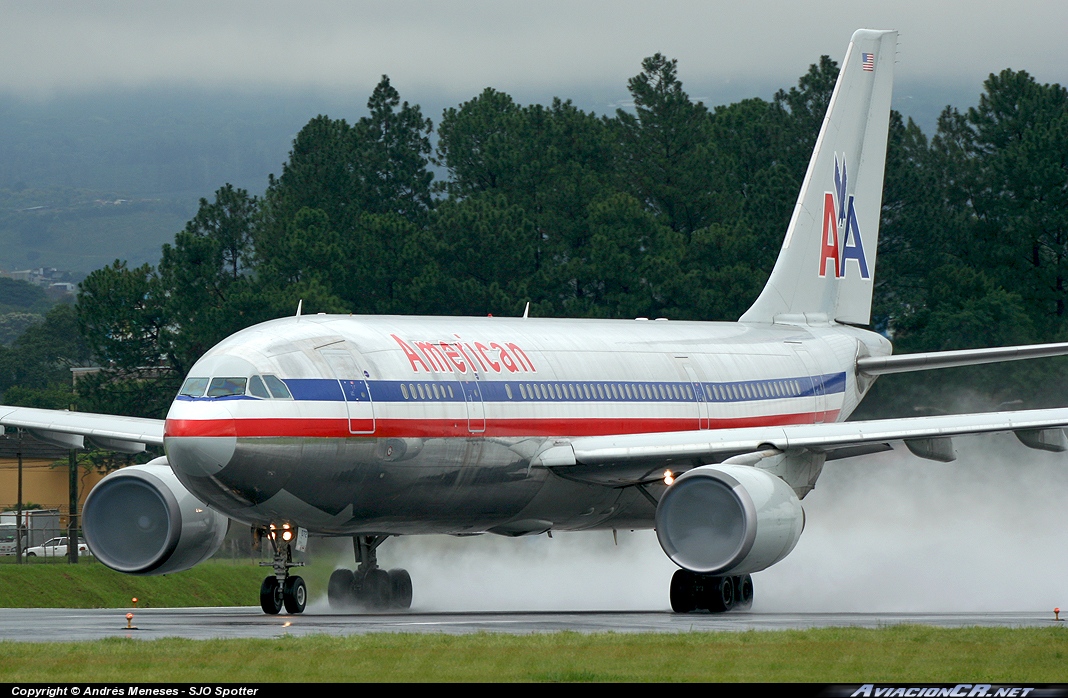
826, 266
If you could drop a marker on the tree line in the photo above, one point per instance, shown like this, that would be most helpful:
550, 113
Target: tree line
672, 209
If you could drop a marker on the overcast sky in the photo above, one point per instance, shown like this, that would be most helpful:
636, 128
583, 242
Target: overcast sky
457, 48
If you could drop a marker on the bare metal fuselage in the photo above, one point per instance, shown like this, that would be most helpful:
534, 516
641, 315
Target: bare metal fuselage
407, 425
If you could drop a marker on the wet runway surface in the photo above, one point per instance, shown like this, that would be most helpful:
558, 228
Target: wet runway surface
51, 625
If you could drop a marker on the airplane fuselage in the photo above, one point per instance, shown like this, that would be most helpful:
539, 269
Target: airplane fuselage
404, 425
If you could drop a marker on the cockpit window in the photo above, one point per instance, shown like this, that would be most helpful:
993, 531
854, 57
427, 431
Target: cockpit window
225, 387
278, 388
194, 387
257, 388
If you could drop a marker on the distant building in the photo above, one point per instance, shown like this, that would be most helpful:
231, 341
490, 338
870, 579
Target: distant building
56, 283
43, 482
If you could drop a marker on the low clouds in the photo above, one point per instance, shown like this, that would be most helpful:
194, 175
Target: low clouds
458, 48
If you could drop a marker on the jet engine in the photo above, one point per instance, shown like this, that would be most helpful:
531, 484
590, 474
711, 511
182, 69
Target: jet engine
142, 520
728, 520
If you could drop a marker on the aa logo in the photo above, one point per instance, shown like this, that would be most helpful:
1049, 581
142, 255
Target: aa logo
842, 240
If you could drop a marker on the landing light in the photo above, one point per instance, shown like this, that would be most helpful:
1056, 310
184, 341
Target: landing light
287, 535
668, 478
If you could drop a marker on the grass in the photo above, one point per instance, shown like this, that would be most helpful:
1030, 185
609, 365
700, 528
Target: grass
836, 655
55, 584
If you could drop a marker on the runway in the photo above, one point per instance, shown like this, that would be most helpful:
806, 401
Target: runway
55, 625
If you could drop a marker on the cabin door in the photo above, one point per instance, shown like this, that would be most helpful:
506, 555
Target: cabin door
698, 388
476, 410
361, 409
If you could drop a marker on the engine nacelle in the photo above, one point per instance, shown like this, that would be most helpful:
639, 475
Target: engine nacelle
142, 520
728, 520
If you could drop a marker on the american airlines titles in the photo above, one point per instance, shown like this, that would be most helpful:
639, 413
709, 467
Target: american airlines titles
446, 357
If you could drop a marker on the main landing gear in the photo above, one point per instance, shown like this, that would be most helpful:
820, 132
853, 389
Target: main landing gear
691, 592
281, 589
369, 586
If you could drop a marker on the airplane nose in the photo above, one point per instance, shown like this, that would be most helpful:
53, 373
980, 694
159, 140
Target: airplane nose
201, 446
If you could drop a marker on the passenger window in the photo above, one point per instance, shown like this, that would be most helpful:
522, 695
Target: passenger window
507, 389
256, 388
437, 395
450, 392
227, 387
523, 391
419, 386
277, 387
404, 391
194, 387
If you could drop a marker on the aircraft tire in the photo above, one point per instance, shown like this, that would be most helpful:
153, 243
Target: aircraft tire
682, 592
376, 589
400, 586
743, 592
339, 590
271, 596
719, 594
295, 595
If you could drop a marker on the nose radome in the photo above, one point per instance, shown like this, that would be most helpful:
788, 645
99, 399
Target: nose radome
200, 442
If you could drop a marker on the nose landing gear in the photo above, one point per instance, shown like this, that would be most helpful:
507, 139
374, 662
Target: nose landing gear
281, 589
369, 586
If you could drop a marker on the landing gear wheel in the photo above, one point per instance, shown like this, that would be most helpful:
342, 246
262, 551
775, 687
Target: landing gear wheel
376, 589
339, 590
704, 592
295, 595
271, 596
720, 594
743, 592
400, 588
682, 592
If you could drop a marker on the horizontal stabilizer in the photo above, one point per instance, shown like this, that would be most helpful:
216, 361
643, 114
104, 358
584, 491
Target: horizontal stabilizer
904, 363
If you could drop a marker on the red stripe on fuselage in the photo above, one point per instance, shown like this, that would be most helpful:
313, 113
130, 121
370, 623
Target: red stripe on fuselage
440, 428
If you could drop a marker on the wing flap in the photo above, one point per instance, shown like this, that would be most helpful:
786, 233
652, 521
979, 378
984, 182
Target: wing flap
101, 429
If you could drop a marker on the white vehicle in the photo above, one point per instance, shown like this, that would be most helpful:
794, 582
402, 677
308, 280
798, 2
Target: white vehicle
7, 538
56, 547
712, 433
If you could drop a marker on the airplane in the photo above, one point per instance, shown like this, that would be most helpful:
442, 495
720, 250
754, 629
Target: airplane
712, 433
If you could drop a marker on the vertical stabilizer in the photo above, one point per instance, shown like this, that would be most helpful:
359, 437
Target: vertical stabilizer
826, 267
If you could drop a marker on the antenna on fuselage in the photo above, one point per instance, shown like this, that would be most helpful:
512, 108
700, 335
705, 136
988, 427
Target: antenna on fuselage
526, 310
300, 304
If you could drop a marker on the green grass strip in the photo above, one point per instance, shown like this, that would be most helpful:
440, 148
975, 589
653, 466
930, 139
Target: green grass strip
900, 653
56, 584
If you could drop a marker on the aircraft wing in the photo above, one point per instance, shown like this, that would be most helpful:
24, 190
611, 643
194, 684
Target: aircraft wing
634, 458
73, 429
